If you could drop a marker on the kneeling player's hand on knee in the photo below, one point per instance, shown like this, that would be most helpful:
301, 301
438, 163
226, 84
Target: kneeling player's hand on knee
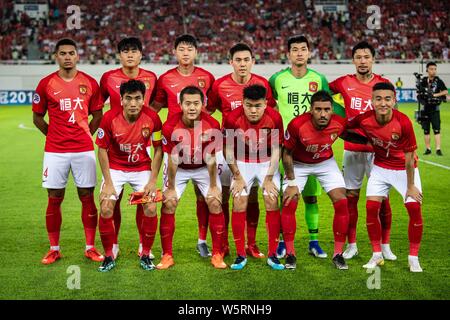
170, 194
237, 186
414, 193
270, 188
150, 191
289, 194
108, 192
214, 193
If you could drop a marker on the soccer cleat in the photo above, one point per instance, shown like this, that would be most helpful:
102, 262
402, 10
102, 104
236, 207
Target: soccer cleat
203, 250
147, 263
281, 249
387, 253
51, 257
217, 261
291, 262
339, 262
414, 265
239, 263
427, 151
376, 260
315, 250
253, 251
107, 264
351, 251
166, 262
140, 252
439, 152
274, 263
94, 255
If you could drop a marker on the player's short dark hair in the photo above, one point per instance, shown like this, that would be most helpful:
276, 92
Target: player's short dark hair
383, 86
297, 39
321, 95
129, 44
255, 92
240, 47
363, 45
187, 39
431, 63
65, 42
132, 86
192, 90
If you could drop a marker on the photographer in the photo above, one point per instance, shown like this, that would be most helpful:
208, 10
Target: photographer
435, 92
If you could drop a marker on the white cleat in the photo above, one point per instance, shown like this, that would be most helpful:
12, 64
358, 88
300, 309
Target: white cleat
414, 265
350, 252
115, 251
376, 260
387, 253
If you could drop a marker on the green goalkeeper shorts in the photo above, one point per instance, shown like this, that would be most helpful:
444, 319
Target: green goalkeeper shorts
312, 186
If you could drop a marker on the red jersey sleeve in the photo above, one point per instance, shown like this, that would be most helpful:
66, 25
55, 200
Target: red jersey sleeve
157, 131
104, 134
213, 98
161, 94
40, 97
96, 100
103, 87
269, 96
168, 145
291, 135
409, 143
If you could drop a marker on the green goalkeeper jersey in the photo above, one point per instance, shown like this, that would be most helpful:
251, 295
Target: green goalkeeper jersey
294, 94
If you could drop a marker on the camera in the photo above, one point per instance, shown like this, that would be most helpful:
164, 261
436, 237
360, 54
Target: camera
424, 97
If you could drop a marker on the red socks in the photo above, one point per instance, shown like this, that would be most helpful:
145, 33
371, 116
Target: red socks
252, 222
107, 234
386, 221
148, 231
217, 228
89, 217
289, 225
117, 216
373, 224
139, 216
340, 224
53, 220
415, 227
273, 222
166, 230
353, 218
226, 215
202, 218
238, 228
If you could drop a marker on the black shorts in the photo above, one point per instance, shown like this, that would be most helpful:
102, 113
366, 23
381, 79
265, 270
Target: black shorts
433, 118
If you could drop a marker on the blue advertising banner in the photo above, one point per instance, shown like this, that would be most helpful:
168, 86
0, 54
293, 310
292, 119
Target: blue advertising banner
16, 97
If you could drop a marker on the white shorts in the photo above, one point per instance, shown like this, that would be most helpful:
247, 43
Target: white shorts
381, 180
327, 172
200, 177
256, 173
136, 179
354, 166
58, 165
223, 170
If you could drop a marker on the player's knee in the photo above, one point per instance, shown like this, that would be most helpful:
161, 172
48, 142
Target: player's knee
438, 131
310, 199
56, 193
170, 206
271, 203
106, 209
352, 193
150, 209
240, 204
83, 192
214, 206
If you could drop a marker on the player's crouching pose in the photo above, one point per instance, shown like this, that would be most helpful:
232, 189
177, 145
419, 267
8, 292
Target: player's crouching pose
253, 135
123, 138
395, 165
191, 139
307, 151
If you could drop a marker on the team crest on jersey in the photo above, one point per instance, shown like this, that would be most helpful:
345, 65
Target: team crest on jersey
313, 86
100, 133
36, 98
83, 89
395, 136
145, 132
201, 82
333, 136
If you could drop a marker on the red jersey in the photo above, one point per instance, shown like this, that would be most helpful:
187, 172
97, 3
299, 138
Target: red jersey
311, 145
227, 95
111, 81
357, 99
69, 104
191, 144
171, 83
254, 142
390, 141
127, 142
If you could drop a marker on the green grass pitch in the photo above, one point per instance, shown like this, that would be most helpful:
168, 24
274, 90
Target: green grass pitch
23, 241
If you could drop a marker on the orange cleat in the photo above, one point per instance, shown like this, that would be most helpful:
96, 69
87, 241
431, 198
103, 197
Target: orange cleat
51, 257
166, 262
94, 255
253, 251
217, 261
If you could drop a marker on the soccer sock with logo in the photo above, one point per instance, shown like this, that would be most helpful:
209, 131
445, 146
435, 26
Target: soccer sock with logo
226, 215
117, 216
139, 216
167, 230
289, 225
273, 222
340, 224
217, 228
252, 222
312, 220
373, 224
202, 218
353, 217
386, 221
107, 234
89, 217
53, 220
415, 228
238, 228
149, 226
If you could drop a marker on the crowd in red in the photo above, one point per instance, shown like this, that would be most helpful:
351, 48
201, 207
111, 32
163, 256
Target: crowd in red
408, 30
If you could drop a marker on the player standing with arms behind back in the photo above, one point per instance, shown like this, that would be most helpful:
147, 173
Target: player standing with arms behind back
69, 96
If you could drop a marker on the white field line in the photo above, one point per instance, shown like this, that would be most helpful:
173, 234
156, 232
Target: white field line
22, 126
435, 164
